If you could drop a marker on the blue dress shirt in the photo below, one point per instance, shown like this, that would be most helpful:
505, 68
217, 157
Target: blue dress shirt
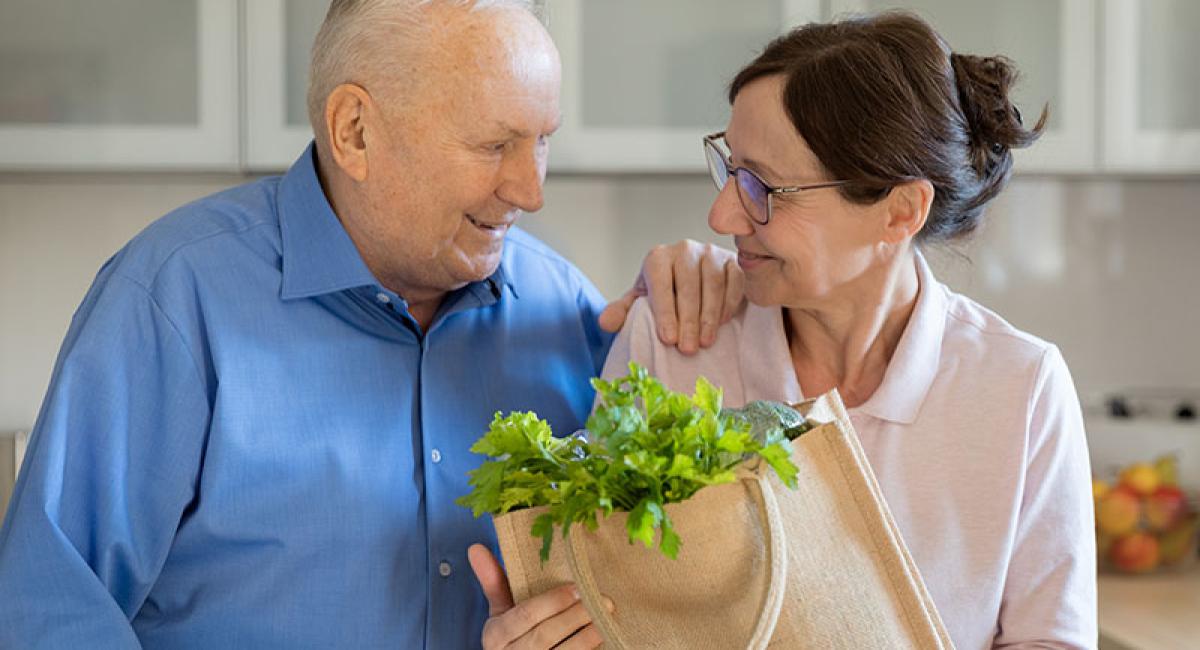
248, 443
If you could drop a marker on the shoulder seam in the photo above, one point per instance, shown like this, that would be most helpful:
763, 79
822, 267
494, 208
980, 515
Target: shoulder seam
167, 317
1017, 335
186, 244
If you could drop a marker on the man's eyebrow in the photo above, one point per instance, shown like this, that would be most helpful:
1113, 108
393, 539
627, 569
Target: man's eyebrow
513, 132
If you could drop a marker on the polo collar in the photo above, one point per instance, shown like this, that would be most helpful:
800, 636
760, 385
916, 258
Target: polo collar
915, 362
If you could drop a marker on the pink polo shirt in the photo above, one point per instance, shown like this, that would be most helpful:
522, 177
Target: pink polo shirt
977, 440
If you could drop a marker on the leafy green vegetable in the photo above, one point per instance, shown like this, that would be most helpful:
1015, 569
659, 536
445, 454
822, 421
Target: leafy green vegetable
770, 421
648, 447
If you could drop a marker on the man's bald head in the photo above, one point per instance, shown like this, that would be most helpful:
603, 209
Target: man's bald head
378, 43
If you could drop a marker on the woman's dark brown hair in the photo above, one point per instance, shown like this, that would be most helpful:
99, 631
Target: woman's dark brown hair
882, 100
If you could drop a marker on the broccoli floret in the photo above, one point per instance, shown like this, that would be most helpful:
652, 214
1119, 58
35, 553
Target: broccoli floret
770, 421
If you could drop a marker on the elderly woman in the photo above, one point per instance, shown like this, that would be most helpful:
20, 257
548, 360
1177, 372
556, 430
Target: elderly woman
850, 146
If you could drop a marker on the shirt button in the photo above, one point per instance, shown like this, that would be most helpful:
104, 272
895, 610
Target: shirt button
436, 456
444, 569
382, 297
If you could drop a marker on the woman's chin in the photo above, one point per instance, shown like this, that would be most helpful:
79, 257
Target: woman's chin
761, 295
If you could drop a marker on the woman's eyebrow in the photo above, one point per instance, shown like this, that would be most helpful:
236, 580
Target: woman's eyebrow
762, 169
754, 165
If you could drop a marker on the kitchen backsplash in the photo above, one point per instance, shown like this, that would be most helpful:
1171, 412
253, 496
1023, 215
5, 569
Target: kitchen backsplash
1108, 269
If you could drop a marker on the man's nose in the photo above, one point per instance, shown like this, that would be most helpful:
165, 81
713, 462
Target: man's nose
727, 216
521, 185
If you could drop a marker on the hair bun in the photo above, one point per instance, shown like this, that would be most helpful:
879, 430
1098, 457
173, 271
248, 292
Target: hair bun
993, 121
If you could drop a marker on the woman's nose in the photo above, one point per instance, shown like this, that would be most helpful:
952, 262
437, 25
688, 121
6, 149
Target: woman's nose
727, 216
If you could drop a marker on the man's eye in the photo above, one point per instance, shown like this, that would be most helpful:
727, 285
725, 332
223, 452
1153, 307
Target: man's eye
497, 147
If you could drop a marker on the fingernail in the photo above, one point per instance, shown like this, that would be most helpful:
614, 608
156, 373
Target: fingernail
667, 334
609, 605
575, 593
688, 346
707, 336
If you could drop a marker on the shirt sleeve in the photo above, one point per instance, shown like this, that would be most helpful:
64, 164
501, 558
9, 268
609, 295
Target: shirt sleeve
111, 466
1050, 590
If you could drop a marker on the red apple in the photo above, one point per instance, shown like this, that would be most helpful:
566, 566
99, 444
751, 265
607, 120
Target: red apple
1165, 507
1135, 553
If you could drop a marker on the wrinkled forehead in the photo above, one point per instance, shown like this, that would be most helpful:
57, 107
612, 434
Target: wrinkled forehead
761, 131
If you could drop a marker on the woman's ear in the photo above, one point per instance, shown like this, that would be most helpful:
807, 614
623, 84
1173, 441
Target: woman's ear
346, 129
907, 209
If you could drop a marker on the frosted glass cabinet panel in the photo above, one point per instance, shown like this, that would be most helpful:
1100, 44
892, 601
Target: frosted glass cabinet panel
644, 81
1152, 89
140, 84
279, 36
1052, 43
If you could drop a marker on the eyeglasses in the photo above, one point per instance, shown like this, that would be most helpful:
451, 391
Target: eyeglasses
755, 194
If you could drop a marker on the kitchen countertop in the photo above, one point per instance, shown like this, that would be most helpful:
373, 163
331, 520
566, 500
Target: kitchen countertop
1150, 612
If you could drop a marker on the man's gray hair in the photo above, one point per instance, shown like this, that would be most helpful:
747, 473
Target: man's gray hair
359, 37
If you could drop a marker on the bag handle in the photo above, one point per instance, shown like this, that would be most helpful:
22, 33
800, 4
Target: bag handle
772, 601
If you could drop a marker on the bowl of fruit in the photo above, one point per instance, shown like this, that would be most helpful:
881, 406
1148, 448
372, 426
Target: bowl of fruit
1145, 522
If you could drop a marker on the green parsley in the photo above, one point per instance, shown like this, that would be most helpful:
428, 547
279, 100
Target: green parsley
648, 446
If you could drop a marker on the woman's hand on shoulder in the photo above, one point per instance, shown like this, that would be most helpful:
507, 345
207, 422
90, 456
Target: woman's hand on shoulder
693, 288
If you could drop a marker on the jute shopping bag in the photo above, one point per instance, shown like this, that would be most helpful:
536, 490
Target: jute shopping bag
822, 566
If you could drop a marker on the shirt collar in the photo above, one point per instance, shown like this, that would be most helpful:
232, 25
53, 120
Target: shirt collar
914, 364
318, 255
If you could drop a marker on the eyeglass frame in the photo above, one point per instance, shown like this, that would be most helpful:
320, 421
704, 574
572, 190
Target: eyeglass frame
710, 141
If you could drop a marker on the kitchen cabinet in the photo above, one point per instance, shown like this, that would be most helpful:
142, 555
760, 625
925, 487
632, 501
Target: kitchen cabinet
643, 82
1051, 42
1152, 87
145, 84
279, 37
120, 84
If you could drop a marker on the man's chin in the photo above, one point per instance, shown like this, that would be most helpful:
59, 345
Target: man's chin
478, 269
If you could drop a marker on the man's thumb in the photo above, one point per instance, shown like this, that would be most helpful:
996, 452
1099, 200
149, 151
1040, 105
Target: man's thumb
491, 578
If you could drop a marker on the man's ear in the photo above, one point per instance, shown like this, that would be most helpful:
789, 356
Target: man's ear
346, 109
907, 209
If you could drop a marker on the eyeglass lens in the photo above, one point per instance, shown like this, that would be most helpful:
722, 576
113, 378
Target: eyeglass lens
753, 194
751, 191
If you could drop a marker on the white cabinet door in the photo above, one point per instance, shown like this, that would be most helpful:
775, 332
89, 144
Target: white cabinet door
644, 81
279, 36
119, 84
1152, 86
1053, 45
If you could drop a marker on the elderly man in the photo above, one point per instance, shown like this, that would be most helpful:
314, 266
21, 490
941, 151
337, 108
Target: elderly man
261, 414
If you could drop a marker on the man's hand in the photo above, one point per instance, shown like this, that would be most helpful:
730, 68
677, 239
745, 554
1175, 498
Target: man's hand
555, 619
693, 289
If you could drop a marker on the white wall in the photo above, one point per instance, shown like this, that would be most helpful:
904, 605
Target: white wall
1110, 270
